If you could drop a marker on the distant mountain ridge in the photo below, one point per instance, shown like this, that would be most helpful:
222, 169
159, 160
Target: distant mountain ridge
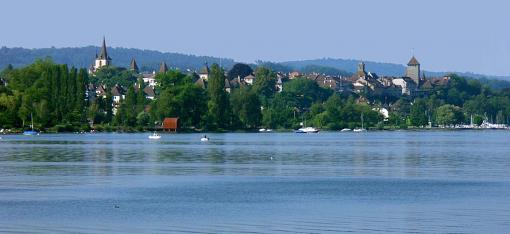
149, 60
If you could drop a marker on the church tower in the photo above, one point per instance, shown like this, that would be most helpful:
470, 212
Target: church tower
413, 70
163, 68
133, 66
361, 70
103, 59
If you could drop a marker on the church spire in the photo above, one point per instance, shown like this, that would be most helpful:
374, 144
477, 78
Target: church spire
163, 68
104, 54
133, 66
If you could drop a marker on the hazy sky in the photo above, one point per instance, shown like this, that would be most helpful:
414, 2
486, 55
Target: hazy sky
446, 35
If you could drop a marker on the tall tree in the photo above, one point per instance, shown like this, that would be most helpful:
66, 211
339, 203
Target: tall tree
265, 82
218, 105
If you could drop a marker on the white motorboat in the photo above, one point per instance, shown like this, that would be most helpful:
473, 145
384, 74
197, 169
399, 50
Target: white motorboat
204, 138
346, 130
155, 136
307, 130
262, 130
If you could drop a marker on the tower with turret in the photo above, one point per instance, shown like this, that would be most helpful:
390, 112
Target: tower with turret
413, 70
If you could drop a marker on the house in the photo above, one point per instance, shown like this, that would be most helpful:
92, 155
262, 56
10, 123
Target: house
237, 83
150, 78
101, 91
407, 85
227, 86
249, 79
294, 75
118, 93
279, 85
149, 92
171, 124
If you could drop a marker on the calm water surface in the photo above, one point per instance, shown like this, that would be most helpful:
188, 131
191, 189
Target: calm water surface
393, 182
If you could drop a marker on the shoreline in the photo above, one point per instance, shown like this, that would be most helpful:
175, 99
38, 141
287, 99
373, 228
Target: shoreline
274, 131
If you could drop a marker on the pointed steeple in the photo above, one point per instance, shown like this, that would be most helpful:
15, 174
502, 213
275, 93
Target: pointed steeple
133, 66
413, 62
163, 68
205, 70
104, 54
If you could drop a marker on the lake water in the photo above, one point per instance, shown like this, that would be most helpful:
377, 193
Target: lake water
420, 182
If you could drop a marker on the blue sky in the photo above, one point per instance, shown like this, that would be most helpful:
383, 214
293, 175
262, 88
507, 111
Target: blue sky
446, 35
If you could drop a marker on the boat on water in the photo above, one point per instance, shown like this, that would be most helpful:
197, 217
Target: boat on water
346, 130
307, 130
31, 132
155, 136
362, 129
204, 138
265, 130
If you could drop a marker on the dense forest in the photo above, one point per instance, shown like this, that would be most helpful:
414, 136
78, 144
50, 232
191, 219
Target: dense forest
55, 96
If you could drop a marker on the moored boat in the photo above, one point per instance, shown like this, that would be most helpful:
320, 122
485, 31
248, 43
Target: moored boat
307, 130
155, 136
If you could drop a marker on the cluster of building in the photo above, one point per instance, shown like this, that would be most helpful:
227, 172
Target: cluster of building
413, 83
149, 79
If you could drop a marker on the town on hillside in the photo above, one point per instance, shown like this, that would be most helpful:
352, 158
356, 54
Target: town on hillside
413, 83
105, 97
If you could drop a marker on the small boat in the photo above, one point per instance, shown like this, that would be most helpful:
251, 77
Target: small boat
155, 136
346, 130
262, 130
307, 130
31, 132
362, 129
204, 138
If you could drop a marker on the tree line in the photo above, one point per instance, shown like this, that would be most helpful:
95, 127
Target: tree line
55, 96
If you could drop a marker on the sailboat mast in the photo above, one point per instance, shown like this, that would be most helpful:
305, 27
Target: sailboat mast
362, 121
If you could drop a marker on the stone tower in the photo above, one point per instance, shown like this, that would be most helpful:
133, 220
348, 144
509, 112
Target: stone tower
413, 70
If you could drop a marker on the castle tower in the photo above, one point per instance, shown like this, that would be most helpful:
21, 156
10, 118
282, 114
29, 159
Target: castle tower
103, 59
413, 70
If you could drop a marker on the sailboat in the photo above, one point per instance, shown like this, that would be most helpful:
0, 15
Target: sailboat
307, 129
31, 132
362, 129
